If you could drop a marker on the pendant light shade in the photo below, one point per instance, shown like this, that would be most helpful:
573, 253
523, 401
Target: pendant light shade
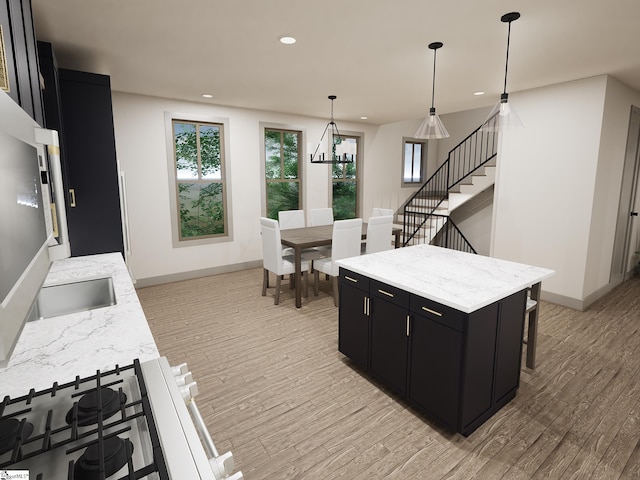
431, 126
503, 116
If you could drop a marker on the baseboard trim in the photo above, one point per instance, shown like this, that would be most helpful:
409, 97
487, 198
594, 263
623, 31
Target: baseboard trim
576, 304
205, 272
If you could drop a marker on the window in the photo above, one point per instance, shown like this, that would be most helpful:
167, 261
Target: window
199, 176
282, 170
345, 185
413, 161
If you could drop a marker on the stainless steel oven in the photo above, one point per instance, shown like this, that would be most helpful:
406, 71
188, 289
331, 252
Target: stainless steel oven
138, 421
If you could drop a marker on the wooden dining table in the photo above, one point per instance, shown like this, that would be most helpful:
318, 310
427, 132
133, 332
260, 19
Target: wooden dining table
319, 236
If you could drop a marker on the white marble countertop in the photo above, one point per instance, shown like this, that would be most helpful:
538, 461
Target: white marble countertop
59, 348
464, 281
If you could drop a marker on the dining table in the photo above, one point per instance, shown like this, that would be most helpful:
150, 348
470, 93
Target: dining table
300, 239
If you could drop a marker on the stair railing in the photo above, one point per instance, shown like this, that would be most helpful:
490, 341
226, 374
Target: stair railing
478, 148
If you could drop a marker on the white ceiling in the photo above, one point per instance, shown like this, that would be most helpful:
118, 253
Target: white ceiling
372, 54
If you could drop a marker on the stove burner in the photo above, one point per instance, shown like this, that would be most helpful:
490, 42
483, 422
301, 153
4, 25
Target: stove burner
116, 453
9, 433
88, 406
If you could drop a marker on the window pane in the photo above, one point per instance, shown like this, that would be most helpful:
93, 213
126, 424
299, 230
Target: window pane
201, 209
272, 154
184, 135
210, 152
290, 152
417, 164
282, 196
412, 162
344, 200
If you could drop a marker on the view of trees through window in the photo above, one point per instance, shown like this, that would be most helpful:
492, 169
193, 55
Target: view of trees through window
199, 177
282, 154
345, 187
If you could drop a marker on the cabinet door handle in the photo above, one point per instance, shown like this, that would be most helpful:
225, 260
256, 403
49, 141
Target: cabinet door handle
408, 325
386, 293
432, 311
351, 279
72, 192
364, 305
368, 306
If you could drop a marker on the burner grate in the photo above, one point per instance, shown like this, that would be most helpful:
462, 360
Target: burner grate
97, 440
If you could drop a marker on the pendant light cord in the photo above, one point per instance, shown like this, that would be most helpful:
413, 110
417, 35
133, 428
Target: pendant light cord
433, 84
506, 65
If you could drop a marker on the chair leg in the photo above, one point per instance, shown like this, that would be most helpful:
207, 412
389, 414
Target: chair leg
305, 286
292, 281
316, 279
277, 299
334, 281
265, 281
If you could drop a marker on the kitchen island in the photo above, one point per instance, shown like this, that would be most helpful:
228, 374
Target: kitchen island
439, 327
59, 348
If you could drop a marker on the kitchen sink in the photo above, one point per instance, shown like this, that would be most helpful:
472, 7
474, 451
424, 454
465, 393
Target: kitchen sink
65, 298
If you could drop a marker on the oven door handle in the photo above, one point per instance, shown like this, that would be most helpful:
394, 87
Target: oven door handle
222, 465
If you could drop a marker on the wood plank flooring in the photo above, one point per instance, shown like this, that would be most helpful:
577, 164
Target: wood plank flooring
276, 392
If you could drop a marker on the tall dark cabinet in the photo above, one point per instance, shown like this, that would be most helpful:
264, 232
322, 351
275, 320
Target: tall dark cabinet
78, 105
93, 194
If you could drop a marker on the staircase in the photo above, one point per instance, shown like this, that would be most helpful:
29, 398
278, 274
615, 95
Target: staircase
468, 170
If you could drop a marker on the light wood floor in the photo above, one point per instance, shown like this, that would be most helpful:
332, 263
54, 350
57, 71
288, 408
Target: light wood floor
278, 394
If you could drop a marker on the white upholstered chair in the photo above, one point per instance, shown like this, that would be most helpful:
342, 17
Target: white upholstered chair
320, 216
345, 243
379, 234
274, 261
381, 212
291, 219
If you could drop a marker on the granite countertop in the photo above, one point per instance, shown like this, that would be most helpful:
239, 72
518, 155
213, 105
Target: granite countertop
59, 348
464, 281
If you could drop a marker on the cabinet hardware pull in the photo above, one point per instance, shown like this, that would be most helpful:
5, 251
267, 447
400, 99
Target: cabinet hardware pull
386, 293
364, 305
72, 192
408, 325
351, 279
431, 311
368, 306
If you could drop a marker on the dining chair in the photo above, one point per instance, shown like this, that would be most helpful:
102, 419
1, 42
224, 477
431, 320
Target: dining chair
274, 261
381, 212
320, 216
379, 234
345, 243
291, 219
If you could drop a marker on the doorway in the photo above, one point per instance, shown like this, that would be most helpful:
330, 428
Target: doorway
622, 249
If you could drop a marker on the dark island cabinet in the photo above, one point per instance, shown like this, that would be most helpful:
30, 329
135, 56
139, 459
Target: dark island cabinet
353, 327
460, 368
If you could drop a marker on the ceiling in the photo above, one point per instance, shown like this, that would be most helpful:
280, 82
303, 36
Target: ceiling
372, 54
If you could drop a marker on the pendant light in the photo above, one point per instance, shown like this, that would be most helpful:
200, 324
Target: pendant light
431, 126
503, 115
341, 152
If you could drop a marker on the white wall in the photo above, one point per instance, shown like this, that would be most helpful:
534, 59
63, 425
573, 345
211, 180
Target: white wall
139, 123
558, 183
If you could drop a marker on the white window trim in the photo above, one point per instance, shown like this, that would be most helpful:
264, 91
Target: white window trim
169, 117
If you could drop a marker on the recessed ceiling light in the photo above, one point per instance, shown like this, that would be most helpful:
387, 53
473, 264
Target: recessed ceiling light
287, 40
207, 95
478, 93
363, 118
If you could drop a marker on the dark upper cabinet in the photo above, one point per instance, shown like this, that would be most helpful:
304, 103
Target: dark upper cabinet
22, 70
